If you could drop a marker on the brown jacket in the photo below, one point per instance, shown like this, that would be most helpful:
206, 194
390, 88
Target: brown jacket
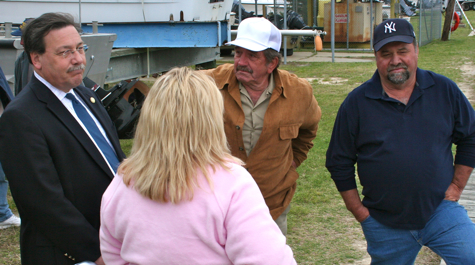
290, 125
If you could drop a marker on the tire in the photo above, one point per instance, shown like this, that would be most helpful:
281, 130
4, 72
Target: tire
465, 7
289, 52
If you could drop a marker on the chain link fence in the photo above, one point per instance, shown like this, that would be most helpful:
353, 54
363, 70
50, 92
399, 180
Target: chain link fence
428, 22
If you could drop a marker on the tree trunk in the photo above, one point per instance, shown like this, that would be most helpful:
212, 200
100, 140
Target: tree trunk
449, 11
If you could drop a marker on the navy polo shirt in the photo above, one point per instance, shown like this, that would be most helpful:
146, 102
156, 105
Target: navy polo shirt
403, 152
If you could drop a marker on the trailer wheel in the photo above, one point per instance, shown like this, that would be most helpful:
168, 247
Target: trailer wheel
465, 7
289, 52
456, 21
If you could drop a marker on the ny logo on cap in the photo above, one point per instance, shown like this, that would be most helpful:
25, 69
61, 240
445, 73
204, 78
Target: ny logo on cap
390, 27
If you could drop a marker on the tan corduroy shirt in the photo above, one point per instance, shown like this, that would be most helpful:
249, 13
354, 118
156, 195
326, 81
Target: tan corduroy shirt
254, 114
290, 125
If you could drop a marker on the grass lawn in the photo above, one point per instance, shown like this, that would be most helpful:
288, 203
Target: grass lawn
321, 230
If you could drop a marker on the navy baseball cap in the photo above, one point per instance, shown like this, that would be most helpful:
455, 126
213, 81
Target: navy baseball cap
19, 31
392, 30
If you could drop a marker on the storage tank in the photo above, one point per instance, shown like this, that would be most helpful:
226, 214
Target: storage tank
358, 17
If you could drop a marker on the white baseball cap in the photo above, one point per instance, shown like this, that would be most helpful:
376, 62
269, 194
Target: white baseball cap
257, 34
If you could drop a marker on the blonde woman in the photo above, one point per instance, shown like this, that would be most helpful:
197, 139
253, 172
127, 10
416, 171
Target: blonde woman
180, 197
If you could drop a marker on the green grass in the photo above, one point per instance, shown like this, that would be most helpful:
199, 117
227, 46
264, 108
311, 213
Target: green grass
321, 230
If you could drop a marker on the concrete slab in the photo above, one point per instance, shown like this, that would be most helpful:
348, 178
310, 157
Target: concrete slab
468, 197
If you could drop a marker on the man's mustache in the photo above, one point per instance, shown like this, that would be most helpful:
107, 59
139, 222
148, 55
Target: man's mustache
401, 65
244, 69
77, 67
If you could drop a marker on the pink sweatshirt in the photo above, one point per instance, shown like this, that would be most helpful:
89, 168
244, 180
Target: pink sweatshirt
231, 225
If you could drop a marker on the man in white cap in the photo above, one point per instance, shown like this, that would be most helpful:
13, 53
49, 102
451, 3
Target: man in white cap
399, 128
271, 116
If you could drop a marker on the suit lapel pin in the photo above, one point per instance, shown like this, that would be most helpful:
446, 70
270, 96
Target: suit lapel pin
93, 100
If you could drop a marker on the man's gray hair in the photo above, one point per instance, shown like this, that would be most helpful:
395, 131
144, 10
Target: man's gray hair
416, 45
270, 54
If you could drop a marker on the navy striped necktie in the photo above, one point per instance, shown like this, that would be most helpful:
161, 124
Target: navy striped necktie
94, 131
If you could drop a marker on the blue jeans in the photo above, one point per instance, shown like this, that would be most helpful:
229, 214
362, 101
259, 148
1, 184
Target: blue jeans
450, 233
5, 211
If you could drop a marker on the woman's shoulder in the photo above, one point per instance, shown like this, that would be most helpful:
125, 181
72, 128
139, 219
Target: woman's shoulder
117, 186
233, 172
232, 180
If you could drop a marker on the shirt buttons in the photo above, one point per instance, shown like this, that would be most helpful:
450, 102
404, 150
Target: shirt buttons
237, 127
241, 149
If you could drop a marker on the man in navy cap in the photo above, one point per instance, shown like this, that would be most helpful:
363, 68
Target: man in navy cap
399, 128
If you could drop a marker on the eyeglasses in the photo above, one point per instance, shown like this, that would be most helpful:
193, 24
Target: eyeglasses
67, 53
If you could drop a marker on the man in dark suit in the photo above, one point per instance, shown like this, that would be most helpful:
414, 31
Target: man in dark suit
57, 167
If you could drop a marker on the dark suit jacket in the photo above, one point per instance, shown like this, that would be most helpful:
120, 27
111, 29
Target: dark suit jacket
57, 176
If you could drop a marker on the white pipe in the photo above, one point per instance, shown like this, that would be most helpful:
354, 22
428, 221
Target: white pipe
143, 11
296, 32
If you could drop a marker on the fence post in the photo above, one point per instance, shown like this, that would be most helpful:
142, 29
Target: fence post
422, 11
393, 8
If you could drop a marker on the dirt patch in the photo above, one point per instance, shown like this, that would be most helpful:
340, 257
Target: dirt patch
328, 81
361, 246
425, 257
468, 72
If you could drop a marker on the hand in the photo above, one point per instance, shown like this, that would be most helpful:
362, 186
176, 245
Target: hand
100, 261
354, 204
294, 165
453, 193
461, 175
361, 214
